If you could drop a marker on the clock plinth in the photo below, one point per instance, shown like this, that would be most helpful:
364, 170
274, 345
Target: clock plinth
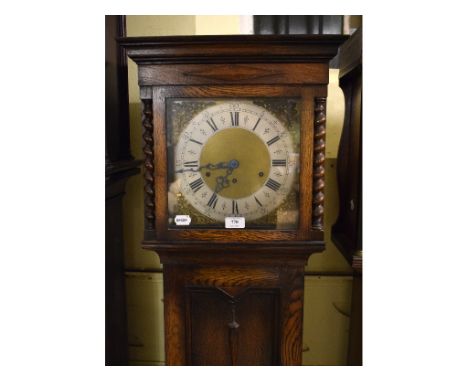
234, 126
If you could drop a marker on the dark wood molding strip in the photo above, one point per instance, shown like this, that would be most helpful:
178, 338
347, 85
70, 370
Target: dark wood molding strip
248, 48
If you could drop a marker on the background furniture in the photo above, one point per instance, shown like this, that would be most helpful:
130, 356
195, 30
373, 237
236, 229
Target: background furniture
119, 166
347, 231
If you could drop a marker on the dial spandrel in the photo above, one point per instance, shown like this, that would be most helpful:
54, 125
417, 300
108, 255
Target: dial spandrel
234, 158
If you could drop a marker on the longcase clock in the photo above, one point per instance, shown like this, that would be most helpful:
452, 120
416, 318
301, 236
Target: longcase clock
234, 151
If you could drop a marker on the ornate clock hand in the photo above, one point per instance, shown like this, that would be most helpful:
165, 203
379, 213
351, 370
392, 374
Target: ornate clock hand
222, 182
210, 166
233, 163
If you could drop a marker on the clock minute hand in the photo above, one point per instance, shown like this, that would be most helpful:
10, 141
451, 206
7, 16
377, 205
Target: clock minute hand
232, 164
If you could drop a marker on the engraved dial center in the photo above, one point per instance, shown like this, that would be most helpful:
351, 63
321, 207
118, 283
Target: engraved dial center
249, 156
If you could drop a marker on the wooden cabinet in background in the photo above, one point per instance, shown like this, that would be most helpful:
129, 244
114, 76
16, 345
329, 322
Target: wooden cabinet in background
119, 166
347, 231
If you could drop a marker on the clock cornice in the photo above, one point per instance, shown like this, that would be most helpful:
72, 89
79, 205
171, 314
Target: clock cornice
232, 48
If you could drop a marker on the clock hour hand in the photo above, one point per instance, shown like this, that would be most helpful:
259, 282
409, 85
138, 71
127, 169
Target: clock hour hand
222, 182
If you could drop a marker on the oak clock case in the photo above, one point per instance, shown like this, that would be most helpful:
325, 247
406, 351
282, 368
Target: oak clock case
233, 158
233, 127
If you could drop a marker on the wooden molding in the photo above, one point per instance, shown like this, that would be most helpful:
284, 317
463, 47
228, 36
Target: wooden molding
212, 74
232, 48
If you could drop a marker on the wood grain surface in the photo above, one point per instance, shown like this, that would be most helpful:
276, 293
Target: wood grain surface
206, 74
244, 315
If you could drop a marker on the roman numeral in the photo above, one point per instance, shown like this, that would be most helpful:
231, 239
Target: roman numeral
273, 184
235, 118
212, 124
194, 141
258, 121
278, 162
213, 200
273, 140
258, 201
191, 163
196, 185
235, 207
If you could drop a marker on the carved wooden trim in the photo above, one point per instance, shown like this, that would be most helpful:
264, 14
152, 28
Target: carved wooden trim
148, 151
318, 196
291, 349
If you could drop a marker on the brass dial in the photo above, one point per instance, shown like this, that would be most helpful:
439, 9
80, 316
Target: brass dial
234, 159
248, 150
